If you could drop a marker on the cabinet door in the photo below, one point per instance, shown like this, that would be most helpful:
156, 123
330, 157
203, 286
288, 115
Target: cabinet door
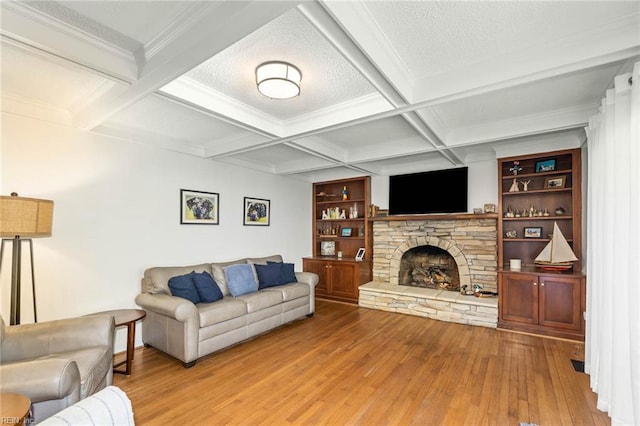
519, 298
319, 268
344, 282
560, 305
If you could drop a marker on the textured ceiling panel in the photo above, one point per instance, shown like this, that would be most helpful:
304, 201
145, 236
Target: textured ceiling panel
492, 77
560, 92
327, 78
455, 34
386, 130
57, 84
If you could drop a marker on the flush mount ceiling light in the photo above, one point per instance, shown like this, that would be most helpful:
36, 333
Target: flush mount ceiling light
278, 80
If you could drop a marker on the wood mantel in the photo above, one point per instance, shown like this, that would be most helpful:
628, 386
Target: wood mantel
444, 216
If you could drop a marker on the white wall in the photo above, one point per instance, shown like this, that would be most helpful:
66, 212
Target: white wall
117, 213
483, 186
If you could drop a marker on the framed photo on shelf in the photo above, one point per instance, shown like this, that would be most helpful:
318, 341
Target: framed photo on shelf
546, 166
360, 254
346, 232
256, 212
327, 248
555, 182
533, 232
198, 207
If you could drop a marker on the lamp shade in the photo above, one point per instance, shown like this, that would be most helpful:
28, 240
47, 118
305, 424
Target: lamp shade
25, 217
278, 80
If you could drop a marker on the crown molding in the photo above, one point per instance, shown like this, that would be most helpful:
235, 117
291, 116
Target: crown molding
31, 108
337, 114
238, 113
34, 28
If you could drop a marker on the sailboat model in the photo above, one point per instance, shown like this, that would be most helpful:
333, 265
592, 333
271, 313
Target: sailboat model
557, 255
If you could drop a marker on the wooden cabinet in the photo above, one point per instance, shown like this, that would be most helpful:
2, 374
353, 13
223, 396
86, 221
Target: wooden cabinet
341, 226
339, 279
542, 303
548, 191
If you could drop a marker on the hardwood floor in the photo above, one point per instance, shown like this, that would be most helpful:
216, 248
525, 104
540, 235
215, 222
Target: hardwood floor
351, 365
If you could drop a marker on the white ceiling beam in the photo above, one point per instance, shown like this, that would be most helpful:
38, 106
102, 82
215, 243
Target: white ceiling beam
307, 165
319, 154
351, 29
356, 20
222, 24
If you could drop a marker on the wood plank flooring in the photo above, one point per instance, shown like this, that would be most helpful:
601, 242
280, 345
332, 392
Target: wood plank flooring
355, 366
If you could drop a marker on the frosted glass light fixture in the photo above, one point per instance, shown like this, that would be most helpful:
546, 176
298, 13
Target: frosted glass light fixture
278, 80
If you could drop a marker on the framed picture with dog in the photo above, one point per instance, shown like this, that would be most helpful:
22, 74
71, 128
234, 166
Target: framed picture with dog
198, 207
256, 211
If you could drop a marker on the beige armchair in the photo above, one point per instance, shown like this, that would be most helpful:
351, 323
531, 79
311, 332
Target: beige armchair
57, 363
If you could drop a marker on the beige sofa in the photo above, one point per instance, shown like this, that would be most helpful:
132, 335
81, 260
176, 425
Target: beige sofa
57, 363
189, 331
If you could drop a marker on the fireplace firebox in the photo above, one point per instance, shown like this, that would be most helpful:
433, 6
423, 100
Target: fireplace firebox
429, 267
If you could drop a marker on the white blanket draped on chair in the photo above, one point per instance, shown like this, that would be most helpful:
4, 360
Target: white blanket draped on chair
108, 407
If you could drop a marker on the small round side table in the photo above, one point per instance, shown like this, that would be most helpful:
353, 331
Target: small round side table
126, 317
14, 408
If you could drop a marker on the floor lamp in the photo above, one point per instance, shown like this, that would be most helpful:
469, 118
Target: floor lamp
22, 219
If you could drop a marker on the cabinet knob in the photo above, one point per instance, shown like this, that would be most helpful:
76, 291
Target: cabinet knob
535, 283
542, 284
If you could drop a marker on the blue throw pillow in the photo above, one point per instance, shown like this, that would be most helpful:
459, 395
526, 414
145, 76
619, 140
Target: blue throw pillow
287, 273
241, 279
183, 286
206, 286
269, 275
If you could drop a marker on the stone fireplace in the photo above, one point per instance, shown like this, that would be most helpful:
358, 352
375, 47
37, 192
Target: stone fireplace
410, 254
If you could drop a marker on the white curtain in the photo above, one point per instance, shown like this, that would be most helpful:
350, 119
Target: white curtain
612, 351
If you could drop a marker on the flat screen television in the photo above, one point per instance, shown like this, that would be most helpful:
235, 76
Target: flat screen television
438, 191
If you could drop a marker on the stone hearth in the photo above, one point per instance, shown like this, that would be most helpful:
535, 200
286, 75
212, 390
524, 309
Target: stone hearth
472, 242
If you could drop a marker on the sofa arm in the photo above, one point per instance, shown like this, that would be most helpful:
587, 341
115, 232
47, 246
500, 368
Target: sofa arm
170, 306
42, 379
309, 278
65, 335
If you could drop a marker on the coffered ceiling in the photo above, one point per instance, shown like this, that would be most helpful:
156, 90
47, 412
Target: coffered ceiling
388, 87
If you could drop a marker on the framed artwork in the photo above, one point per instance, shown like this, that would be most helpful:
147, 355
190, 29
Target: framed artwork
346, 232
555, 182
198, 207
533, 232
545, 166
327, 248
256, 212
360, 254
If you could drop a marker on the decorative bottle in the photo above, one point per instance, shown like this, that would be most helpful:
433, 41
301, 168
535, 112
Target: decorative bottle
344, 193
